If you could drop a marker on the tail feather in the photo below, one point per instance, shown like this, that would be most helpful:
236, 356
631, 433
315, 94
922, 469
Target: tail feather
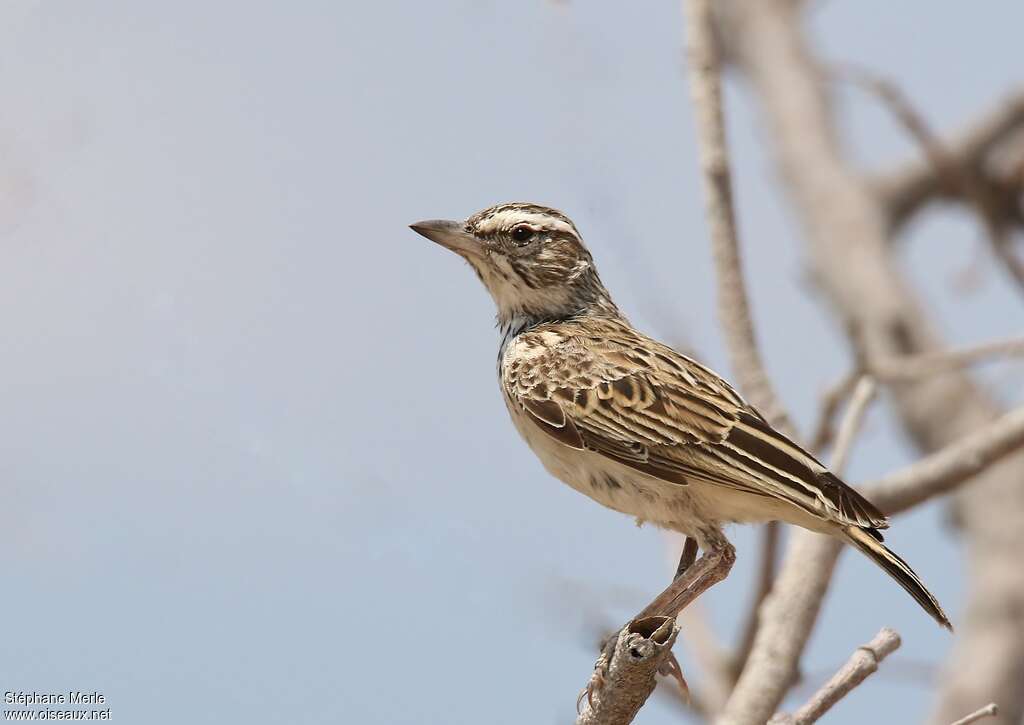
899, 570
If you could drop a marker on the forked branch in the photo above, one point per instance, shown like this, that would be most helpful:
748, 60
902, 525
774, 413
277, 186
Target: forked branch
862, 664
905, 190
624, 675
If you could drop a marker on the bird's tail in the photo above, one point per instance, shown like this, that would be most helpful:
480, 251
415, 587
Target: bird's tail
899, 570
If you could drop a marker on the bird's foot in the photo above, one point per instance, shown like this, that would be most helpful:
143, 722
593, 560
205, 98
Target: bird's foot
670, 668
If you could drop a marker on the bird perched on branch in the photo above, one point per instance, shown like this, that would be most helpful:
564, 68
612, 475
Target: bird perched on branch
630, 422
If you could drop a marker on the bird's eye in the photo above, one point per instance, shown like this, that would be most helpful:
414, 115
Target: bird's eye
522, 234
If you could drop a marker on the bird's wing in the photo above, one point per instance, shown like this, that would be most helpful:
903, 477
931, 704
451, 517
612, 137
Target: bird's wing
609, 389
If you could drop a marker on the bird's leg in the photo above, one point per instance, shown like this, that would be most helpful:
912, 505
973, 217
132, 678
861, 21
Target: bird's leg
688, 556
671, 668
707, 571
692, 579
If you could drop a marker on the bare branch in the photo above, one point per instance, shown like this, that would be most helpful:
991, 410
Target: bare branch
863, 394
944, 470
791, 608
599, 704
625, 674
913, 366
996, 205
733, 306
847, 229
788, 615
789, 612
710, 569
944, 167
831, 401
990, 710
904, 368
908, 188
863, 663
769, 560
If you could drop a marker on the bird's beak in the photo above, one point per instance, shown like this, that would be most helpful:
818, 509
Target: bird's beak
449, 234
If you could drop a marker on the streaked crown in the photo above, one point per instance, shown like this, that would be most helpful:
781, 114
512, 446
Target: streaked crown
531, 258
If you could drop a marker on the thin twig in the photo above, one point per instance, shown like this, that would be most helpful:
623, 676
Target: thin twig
906, 368
892, 96
733, 305
899, 670
990, 710
863, 394
947, 468
862, 663
914, 366
831, 401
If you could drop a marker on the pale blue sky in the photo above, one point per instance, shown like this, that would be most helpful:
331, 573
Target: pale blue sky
254, 460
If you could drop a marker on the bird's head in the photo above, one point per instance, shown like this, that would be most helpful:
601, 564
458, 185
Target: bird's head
531, 259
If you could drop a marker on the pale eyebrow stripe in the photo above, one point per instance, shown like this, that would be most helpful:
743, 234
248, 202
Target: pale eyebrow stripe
506, 218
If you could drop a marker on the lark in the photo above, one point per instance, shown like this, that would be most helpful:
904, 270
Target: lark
630, 422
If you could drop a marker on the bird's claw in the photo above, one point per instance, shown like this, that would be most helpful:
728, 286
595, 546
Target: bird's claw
670, 667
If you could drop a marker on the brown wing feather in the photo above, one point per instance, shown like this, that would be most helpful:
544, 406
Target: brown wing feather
550, 417
625, 396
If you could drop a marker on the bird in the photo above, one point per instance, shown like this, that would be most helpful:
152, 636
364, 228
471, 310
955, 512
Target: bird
630, 422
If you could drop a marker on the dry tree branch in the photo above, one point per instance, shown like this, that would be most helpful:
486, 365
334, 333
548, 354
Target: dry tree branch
907, 189
733, 306
625, 674
862, 663
768, 551
622, 679
863, 394
906, 368
791, 608
916, 366
788, 615
704, 70
611, 704
708, 570
831, 401
996, 205
946, 469
990, 710
899, 104
847, 229
790, 611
